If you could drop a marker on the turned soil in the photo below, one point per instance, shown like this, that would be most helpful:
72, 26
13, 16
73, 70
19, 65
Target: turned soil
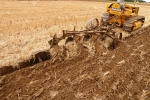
122, 73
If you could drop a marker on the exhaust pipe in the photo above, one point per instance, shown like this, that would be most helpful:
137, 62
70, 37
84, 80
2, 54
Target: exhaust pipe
121, 2
134, 2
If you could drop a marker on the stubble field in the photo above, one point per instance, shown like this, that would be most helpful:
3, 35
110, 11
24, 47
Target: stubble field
26, 26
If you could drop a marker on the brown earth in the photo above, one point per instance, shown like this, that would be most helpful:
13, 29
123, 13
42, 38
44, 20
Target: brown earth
119, 74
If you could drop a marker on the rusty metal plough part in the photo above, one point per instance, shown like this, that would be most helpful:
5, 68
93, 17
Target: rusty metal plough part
93, 30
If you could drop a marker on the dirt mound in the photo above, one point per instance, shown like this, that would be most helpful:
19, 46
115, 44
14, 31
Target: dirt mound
122, 73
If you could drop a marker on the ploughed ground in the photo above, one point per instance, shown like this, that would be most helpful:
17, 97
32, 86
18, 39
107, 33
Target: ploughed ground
119, 74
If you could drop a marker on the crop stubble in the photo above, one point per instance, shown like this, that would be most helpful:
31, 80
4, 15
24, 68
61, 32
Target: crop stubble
26, 26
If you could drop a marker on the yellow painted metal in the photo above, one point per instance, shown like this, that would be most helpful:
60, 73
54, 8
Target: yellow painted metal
137, 25
120, 14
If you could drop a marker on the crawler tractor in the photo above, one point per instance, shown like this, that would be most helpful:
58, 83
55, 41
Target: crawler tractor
123, 15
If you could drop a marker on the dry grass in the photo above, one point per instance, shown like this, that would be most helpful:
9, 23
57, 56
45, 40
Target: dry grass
25, 27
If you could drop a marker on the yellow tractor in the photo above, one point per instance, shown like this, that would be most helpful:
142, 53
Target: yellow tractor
124, 15
121, 14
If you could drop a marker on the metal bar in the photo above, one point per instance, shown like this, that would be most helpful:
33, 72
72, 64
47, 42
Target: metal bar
86, 32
